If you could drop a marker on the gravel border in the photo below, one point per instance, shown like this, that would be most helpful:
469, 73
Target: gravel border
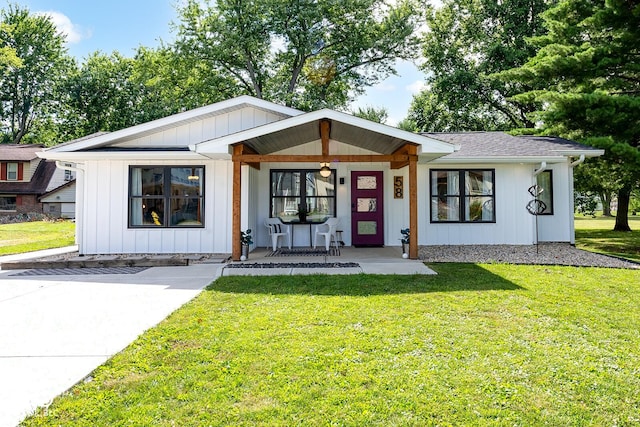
543, 254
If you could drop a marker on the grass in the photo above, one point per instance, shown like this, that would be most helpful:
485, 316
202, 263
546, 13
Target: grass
32, 236
596, 235
476, 345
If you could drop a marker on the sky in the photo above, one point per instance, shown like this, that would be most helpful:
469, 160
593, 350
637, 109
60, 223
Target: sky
109, 25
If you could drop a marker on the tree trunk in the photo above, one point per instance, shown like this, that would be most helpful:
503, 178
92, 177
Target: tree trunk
605, 198
622, 216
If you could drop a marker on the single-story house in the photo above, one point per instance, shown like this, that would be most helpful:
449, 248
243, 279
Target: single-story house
190, 182
25, 178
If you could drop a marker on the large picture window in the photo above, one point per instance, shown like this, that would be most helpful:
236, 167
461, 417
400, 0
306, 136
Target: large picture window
302, 195
462, 195
545, 181
166, 196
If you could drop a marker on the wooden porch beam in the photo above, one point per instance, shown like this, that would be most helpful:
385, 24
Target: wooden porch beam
237, 204
245, 149
406, 149
345, 158
413, 201
325, 131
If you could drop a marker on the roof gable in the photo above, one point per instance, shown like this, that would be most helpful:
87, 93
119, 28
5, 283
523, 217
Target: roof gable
170, 123
304, 128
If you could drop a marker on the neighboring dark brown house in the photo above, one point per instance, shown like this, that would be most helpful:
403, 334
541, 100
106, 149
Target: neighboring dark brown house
24, 178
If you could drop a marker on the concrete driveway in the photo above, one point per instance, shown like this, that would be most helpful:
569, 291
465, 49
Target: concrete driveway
54, 330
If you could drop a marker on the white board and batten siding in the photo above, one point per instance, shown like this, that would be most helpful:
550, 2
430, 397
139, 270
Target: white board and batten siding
514, 224
106, 214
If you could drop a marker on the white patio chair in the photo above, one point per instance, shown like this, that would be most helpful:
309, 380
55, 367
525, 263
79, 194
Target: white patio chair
277, 229
327, 230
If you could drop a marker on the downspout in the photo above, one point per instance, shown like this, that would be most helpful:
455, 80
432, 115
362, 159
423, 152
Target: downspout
80, 220
572, 227
543, 167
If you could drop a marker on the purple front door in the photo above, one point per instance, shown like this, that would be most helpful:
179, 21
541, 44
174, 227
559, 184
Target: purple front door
367, 224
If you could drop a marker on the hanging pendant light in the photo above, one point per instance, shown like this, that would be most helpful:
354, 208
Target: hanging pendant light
325, 170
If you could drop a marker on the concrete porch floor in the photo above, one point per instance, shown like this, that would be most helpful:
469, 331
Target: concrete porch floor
378, 260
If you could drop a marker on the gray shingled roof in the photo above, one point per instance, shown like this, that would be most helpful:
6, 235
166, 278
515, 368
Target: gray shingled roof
500, 144
19, 152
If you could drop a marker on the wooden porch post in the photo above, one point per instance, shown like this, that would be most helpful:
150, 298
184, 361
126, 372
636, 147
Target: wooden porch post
237, 205
413, 201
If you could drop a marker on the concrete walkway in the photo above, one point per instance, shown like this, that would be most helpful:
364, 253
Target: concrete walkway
54, 330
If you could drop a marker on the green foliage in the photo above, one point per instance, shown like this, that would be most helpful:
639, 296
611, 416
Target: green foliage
589, 59
29, 93
246, 238
302, 53
406, 235
378, 115
468, 43
475, 345
32, 236
586, 203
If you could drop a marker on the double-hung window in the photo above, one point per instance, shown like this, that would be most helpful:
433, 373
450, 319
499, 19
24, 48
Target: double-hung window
166, 196
462, 195
12, 171
302, 195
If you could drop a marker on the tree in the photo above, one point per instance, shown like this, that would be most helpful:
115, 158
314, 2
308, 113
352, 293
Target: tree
112, 92
28, 94
378, 115
467, 43
303, 53
590, 62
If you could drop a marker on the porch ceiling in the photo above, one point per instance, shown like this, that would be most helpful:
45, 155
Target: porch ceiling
310, 131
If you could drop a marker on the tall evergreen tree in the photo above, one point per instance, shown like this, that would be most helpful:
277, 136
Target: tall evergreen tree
590, 60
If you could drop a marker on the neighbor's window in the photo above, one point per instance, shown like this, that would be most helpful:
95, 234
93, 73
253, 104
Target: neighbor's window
7, 203
462, 195
166, 196
545, 181
12, 171
302, 195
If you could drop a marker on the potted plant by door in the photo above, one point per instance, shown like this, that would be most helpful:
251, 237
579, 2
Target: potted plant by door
406, 235
245, 241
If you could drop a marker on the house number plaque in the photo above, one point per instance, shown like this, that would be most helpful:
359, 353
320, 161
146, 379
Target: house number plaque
398, 187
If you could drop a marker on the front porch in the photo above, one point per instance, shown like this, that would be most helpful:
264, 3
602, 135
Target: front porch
378, 260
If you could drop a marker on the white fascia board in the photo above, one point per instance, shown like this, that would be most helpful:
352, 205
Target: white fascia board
214, 145
513, 159
578, 153
76, 156
186, 116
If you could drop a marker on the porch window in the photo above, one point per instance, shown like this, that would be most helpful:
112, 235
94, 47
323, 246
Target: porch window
545, 182
302, 195
462, 195
8, 203
166, 196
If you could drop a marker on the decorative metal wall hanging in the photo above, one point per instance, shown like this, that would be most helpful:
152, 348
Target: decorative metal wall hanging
536, 206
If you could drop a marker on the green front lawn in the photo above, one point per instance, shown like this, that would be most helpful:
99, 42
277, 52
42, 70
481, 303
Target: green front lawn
476, 345
596, 235
32, 236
